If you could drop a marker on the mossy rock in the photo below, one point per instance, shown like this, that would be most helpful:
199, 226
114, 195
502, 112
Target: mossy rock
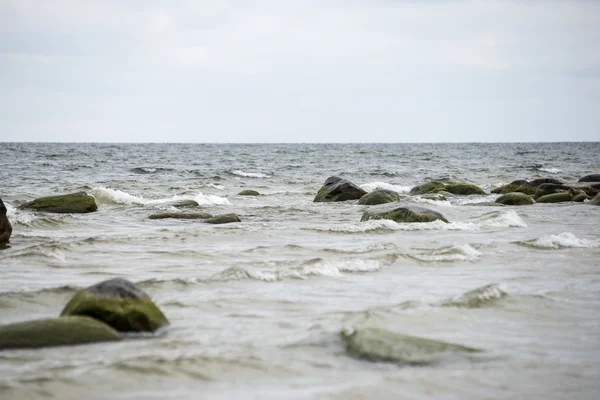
429, 187
579, 198
223, 219
515, 188
5, 226
590, 178
66, 203
555, 198
596, 200
376, 344
248, 192
403, 213
180, 215
118, 303
463, 189
338, 189
379, 196
515, 199
55, 332
550, 188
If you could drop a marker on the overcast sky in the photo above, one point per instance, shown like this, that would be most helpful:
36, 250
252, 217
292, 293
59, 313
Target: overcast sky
299, 71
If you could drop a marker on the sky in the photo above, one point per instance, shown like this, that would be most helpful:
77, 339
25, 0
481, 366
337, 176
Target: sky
299, 71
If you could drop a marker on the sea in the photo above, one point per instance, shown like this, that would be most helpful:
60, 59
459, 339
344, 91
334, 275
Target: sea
256, 307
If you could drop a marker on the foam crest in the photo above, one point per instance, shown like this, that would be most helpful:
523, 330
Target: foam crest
17, 217
551, 170
105, 195
369, 187
462, 252
480, 297
238, 172
501, 219
563, 240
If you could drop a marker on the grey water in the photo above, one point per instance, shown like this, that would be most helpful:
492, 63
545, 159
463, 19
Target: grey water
256, 307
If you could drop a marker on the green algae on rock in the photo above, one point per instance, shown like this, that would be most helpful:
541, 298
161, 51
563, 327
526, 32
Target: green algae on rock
118, 303
559, 197
579, 198
596, 200
223, 219
429, 187
457, 188
248, 192
180, 215
402, 213
338, 189
375, 344
515, 199
55, 332
66, 204
379, 196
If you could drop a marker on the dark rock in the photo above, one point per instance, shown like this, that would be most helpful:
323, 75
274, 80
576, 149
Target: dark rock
55, 332
541, 181
67, 203
429, 187
5, 226
223, 219
555, 197
454, 188
118, 303
514, 187
379, 196
248, 192
180, 215
578, 198
402, 213
339, 189
515, 199
590, 178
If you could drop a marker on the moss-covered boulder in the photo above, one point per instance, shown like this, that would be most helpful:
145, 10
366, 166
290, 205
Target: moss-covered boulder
180, 215
590, 178
379, 196
339, 189
429, 187
223, 219
376, 344
66, 203
555, 198
5, 226
580, 197
248, 192
596, 200
463, 189
118, 303
515, 188
550, 188
515, 199
402, 213
55, 332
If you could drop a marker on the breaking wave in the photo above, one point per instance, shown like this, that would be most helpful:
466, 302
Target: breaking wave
463, 252
369, 187
31, 219
150, 170
477, 298
238, 172
563, 240
105, 195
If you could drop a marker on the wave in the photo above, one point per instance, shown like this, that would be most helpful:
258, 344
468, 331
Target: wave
150, 170
477, 298
501, 219
31, 219
551, 170
369, 187
463, 252
104, 195
238, 172
563, 240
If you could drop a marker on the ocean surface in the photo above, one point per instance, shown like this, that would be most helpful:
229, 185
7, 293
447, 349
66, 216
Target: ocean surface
256, 307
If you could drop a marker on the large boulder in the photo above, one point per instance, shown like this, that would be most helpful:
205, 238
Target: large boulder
590, 178
55, 332
180, 215
454, 188
399, 212
248, 192
5, 226
550, 188
67, 203
339, 189
515, 199
596, 200
555, 197
379, 196
223, 219
524, 186
118, 303
429, 187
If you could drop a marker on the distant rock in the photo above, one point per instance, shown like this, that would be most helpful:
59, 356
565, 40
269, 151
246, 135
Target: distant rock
559, 197
515, 199
379, 196
5, 226
67, 203
590, 178
457, 188
223, 219
339, 189
248, 192
399, 212
180, 215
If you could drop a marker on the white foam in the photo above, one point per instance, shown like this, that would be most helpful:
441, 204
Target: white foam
17, 217
506, 219
551, 170
105, 195
369, 187
462, 252
563, 240
422, 200
250, 174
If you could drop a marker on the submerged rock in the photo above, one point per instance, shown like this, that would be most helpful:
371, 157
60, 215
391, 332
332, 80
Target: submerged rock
379, 196
118, 303
596, 200
403, 213
515, 199
376, 344
67, 203
55, 332
5, 226
180, 215
579, 198
248, 192
339, 189
555, 198
223, 219
590, 178
457, 188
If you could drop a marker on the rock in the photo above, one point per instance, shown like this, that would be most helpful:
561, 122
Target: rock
516, 187
596, 200
376, 344
118, 303
339, 189
590, 178
223, 219
379, 196
248, 192
402, 213
181, 203
67, 203
541, 181
555, 197
579, 198
429, 187
55, 332
439, 196
5, 226
463, 189
550, 188
515, 199
180, 215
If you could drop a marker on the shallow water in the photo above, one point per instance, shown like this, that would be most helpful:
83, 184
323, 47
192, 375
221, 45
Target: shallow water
256, 307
